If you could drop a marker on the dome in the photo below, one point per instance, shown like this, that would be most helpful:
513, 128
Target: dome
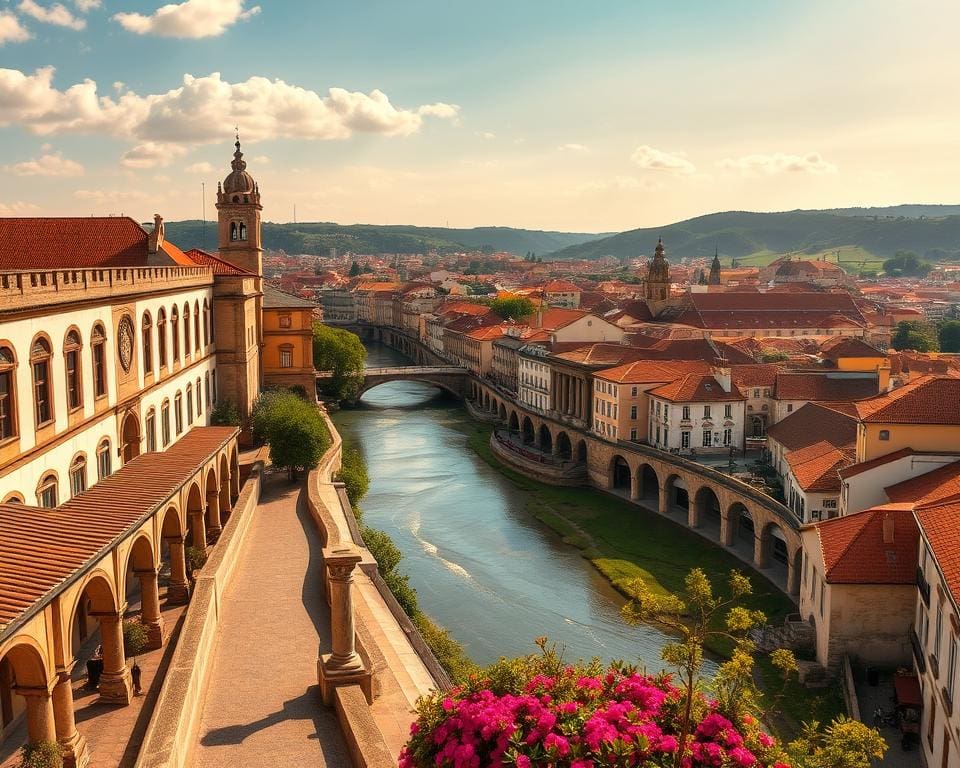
239, 181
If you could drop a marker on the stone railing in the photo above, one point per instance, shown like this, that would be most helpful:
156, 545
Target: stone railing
62, 286
173, 728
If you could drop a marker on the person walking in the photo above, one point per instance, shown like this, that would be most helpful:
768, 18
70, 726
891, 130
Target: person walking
135, 673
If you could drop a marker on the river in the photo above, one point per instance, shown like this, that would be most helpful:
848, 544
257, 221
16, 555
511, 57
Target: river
483, 567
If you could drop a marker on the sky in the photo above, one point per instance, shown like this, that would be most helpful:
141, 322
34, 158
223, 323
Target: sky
547, 114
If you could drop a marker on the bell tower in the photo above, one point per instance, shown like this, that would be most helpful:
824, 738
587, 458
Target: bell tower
238, 214
658, 276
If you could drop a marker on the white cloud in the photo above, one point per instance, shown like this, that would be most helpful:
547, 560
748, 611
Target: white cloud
778, 163
19, 208
445, 111
197, 111
57, 14
260, 159
11, 30
151, 154
655, 160
50, 164
201, 167
190, 19
85, 6
573, 147
487, 135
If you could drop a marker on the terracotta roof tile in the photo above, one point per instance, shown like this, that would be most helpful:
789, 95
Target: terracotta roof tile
652, 371
824, 386
57, 243
816, 467
219, 266
854, 551
697, 388
928, 400
940, 524
40, 549
930, 487
812, 423
841, 347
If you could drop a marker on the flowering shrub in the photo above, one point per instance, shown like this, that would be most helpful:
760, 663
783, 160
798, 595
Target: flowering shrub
536, 712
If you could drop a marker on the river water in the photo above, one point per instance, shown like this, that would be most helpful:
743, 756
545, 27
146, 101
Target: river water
483, 567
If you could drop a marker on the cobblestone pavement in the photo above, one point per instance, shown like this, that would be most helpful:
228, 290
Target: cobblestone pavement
262, 704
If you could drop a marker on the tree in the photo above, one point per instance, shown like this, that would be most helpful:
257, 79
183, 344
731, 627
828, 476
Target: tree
343, 355
41, 754
512, 307
949, 336
915, 335
843, 744
906, 264
293, 429
225, 414
354, 269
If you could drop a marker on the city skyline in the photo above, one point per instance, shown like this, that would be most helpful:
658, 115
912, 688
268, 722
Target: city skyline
555, 118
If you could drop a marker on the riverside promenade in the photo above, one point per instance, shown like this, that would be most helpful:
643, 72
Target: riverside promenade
262, 703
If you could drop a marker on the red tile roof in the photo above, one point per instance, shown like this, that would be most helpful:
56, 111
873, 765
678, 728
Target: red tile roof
879, 461
219, 266
939, 484
928, 400
757, 375
59, 243
825, 386
840, 347
697, 388
652, 371
940, 524
854, 550
816, 467
812, 423
732, 310
41, 549
560, 286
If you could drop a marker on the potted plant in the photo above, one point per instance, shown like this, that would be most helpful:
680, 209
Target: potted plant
134, 638
196, 559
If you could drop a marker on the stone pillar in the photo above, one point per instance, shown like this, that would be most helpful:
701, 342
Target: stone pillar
760, 555
213, 516
115, 683
693, 512
343, 666
40, 722
556, 447
178, 593
663, 504
728, 527
634, 487
199, 530
793, 576
75, 752
150, 615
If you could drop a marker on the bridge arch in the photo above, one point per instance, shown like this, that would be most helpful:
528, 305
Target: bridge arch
528, 433
513, 423
620, 473
502, 412
704, 512
546, 439
675, 496
648, 484
562, 445
432, 381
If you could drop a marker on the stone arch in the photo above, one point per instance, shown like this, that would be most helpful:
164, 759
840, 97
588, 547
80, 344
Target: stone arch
619, 473
502, 412
130, 436
563, 447
546, 439
745, 527
212, 489
27, 661
196, 523
731, 523
486, 400
172, 523
705, 511
23, 667
675, 495
648, 484
528, 432
772, 549
234, 476
495, 405
514, 422
97, 598
224, 487
582, 451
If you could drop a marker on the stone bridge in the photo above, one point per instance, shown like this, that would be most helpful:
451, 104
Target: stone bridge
449, 378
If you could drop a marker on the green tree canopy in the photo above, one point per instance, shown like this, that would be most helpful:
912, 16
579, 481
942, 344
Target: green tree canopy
293, 429
343, 355
949, 335
906, 264
354, 269
915, 335
512, 307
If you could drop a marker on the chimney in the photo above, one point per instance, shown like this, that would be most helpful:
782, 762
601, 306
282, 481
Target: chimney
888, 525
155, 239
721, 372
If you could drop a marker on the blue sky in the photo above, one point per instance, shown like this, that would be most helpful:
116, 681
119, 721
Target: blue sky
561, 115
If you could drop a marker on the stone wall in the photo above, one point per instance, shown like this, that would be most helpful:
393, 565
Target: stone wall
173, 727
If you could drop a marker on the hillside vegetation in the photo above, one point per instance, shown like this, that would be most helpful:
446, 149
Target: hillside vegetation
739, 234
319, 238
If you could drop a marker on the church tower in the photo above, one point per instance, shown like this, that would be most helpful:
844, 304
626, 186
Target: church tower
238, 213
715, 270
658, 276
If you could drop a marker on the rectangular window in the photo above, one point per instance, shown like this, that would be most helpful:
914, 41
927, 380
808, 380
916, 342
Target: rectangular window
685, 438
936, 637
666, 412
151, 432
178, 416
286, 358
706, 411
658, 435
951, 666
189, 406
165, 424
78, 480
707, 435
99, 370
686, 413
633, 411
633, 434
6, 405
789, 407
727, 437
633, 391
41, 390
48, 496
103, 461
728, 411
756, 393
658, 409
74, 385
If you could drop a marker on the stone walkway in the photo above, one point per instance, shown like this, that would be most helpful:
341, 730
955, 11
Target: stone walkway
262, 702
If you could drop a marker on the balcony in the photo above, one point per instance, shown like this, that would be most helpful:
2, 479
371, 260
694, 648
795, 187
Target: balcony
918, 656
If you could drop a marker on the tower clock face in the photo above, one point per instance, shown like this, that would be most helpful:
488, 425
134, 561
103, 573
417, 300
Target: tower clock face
125, 343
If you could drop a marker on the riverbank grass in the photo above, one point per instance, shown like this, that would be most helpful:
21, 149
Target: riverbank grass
625, 542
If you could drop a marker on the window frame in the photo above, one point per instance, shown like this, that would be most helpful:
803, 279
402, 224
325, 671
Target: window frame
73, 369
8, 399
146, 342
104, 459
49, 483
78, 471
44, 359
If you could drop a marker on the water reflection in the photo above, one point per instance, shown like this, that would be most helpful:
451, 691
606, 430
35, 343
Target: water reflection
483, 566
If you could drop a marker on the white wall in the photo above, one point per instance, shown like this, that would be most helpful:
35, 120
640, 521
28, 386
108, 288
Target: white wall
865, 489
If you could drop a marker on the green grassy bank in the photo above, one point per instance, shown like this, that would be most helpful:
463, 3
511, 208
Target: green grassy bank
625, 542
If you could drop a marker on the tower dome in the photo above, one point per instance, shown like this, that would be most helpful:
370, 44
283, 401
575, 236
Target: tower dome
238, 182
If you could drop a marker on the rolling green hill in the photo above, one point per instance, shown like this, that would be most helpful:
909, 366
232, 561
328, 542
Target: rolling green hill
319, 238
740, 234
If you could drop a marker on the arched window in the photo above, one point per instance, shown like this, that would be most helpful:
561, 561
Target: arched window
199, 397
40, 355
162, 338
189, 404
98, 347
104, 460
71, 354
8, 394
78, 475
242, 231
178, 412
206, 324
186, 330
233, 230
175, 334
206, 389
14, 498
196, 327
147, 333
165, 422
151, 427
47, 491
213, 386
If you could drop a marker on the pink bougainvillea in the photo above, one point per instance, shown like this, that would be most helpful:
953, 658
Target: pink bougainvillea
619, 718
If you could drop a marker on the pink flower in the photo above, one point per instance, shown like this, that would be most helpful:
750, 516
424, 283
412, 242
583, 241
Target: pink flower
557, 742
765, 741
523, 761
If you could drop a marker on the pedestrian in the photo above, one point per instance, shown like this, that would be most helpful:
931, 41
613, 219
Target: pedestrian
135, 676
